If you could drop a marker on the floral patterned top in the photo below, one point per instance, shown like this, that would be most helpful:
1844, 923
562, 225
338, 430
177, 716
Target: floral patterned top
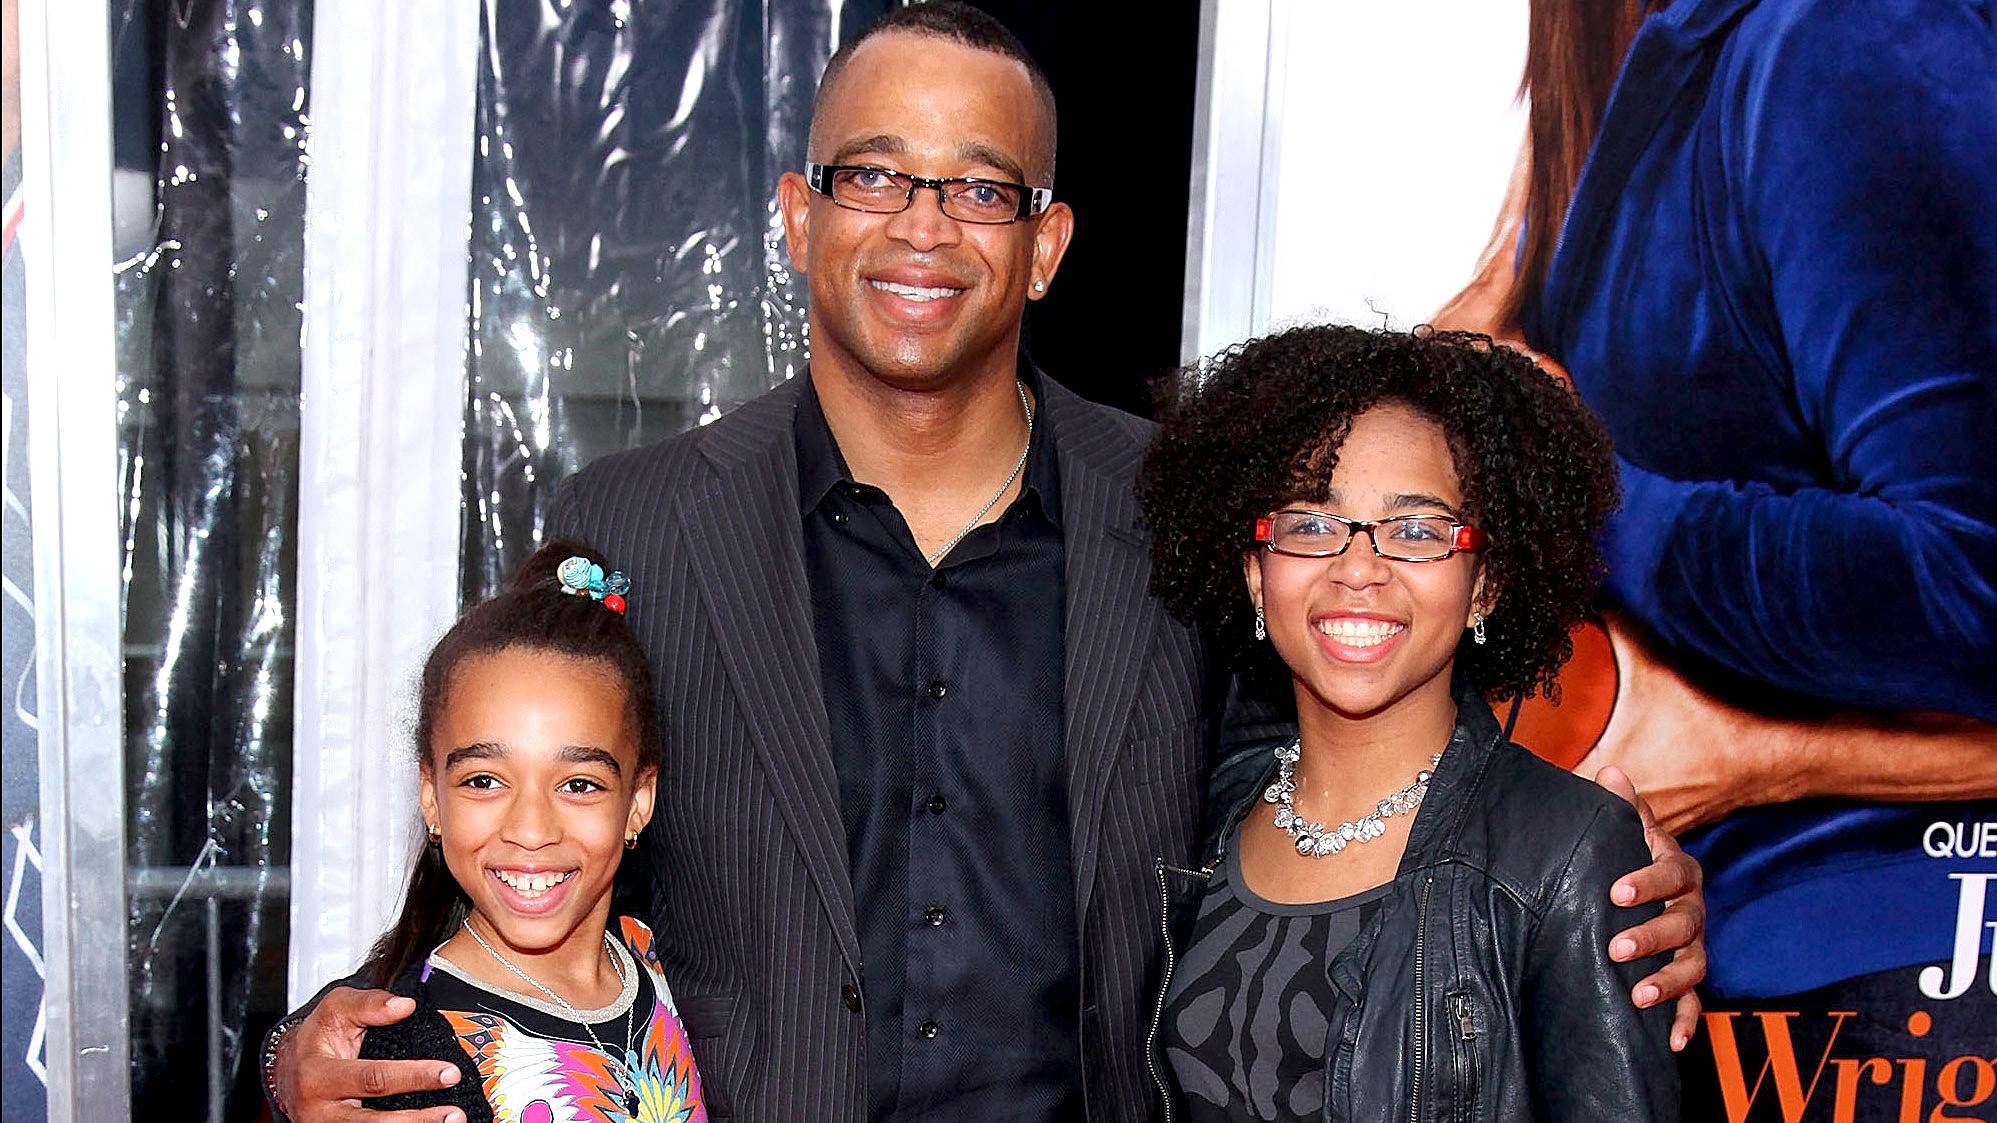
524, 1059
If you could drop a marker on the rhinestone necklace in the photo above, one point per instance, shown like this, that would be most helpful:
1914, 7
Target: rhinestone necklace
1314, 839
627, 1063
945, 549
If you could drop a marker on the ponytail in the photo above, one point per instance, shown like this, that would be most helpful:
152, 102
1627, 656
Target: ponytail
433, 907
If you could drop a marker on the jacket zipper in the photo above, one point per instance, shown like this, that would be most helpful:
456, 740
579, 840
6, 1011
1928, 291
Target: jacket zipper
1165, 979
1421, 1003
1466, 1031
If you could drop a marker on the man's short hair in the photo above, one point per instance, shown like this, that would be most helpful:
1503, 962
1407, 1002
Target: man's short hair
961, 23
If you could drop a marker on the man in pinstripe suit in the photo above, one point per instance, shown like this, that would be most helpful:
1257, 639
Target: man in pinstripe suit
926, 732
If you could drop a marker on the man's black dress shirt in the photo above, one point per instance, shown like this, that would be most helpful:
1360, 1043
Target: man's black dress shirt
943, 688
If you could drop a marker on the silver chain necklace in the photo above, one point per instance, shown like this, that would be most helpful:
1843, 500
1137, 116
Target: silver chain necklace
1027, 407
627, 1061
1314, 840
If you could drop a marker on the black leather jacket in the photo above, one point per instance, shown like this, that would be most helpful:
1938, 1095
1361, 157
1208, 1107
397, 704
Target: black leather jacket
1482, 990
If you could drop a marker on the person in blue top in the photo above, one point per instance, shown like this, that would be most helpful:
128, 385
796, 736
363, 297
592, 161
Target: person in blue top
1765, 250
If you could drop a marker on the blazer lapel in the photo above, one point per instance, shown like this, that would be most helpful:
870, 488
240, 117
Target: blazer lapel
746, 541
1112, 621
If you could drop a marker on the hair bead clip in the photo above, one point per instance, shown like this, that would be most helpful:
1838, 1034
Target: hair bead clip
581, 577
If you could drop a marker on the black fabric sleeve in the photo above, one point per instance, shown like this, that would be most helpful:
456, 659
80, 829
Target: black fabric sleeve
425, 1035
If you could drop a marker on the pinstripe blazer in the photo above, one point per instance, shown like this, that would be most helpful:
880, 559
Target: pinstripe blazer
747, 851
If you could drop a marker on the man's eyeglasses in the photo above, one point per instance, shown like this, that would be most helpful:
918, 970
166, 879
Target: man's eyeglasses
1413, 538
863, 187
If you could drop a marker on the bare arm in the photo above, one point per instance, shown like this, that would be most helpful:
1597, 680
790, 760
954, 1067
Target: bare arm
1698, 759
1479, 306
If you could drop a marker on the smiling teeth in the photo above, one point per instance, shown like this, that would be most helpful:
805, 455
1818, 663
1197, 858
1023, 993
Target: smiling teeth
533, 884
1361, 633
910, 292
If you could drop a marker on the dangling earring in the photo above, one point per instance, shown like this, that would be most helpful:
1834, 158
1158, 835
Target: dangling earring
631, 843
1477, 628
1261, 626
436, 836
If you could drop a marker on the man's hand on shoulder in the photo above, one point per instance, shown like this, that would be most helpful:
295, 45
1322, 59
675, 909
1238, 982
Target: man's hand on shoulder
1675, 878
317, 1075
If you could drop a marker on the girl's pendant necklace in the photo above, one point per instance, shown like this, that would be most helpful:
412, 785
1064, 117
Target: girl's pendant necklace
627, 1063
1314, 839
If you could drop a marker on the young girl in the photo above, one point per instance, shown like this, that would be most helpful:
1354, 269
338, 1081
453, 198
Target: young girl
1405, 916
538, 749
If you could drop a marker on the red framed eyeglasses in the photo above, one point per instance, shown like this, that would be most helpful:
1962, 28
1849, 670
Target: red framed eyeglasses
1413, 538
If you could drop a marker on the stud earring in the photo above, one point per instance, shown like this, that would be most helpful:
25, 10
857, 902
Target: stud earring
1261, 625
1477, 628
436, 836
1039, 286
631, 843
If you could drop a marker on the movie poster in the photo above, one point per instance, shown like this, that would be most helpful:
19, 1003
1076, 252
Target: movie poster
1764, 250
22, 1069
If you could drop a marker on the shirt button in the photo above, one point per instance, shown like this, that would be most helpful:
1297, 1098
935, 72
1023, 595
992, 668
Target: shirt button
934, 915
840, 518
850, 995
938, 688
936, 804
927, 1029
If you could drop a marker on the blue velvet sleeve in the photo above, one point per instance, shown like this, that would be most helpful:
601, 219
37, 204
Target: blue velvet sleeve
1864, 157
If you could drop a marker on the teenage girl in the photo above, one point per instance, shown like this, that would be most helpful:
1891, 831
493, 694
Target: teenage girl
1403, 915
538, 749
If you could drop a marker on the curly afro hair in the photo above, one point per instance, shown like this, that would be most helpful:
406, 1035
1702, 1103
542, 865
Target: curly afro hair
1260, 426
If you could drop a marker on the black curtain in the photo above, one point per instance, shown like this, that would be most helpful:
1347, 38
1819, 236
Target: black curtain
1123, 76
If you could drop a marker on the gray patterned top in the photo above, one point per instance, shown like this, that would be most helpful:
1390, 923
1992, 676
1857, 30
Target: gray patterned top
1246, 1015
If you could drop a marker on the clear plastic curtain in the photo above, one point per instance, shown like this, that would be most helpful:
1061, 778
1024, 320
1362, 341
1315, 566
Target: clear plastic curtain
209, 319
628, 270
